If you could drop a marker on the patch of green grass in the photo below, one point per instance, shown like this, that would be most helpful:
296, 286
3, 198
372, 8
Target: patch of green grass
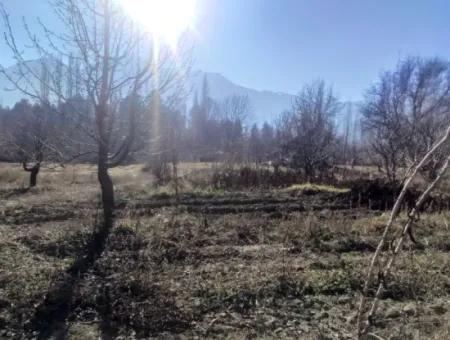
315, 188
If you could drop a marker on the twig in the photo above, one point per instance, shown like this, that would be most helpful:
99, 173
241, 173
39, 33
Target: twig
363, 323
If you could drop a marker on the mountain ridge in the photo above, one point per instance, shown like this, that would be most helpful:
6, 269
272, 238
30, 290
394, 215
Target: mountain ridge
265, 105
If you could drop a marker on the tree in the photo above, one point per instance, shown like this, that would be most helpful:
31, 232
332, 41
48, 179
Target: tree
234, 111
308, 130
267, 141
113, 62
405, 111
236, 108
32, 135
168, 137
32, 138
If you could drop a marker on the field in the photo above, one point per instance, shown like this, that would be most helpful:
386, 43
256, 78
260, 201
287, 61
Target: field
244, 264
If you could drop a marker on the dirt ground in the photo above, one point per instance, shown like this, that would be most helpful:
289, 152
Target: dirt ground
259, 264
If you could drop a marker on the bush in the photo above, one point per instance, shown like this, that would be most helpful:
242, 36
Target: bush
251, 177
159, 167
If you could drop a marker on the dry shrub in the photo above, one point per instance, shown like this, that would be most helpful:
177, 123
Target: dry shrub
200, 178
240, 230
229, 177
177, 239
159, 167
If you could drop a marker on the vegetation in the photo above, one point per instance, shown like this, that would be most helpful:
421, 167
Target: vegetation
124, 213
179, 269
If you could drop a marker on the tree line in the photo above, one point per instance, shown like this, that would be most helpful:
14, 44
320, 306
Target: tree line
400, 118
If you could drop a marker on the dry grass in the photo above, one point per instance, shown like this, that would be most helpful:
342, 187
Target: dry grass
169, 271
315, 188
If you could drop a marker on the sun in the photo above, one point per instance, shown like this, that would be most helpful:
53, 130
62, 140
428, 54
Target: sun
164, 19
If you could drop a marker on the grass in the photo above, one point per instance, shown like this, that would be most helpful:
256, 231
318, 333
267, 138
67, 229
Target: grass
171, 271
315, 188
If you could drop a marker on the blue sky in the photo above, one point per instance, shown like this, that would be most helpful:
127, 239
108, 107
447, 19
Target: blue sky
279, 45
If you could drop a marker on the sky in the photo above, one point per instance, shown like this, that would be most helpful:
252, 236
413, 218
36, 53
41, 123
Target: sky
280, 45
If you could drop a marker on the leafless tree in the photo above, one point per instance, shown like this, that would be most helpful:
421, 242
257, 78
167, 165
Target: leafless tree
235, 108
168, 138
309, 129
405, 111
234, 112
255, 145
33, 135
116, 62
31, 138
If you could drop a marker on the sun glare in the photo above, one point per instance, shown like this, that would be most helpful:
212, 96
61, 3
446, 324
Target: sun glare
164, 19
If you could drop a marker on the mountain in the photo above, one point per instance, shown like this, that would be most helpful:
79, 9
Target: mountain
9, 94
265, 105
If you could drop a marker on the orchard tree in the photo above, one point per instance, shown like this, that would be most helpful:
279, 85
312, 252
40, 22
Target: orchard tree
114, 61
406, 111
308, 130
234, 111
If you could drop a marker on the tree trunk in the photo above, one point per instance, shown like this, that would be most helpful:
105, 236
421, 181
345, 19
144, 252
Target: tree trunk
175, 175
107, 189
33, 175
34, 171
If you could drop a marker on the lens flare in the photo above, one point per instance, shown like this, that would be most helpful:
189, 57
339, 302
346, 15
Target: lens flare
164, 19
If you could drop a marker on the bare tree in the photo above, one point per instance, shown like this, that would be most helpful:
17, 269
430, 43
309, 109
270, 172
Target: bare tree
405, 112
32, 138
168, 136
234, 112
236, 108
309, 129
255, 144
114, 62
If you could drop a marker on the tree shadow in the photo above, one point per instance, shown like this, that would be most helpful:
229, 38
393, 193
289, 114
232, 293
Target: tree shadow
15, 192
50, 317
